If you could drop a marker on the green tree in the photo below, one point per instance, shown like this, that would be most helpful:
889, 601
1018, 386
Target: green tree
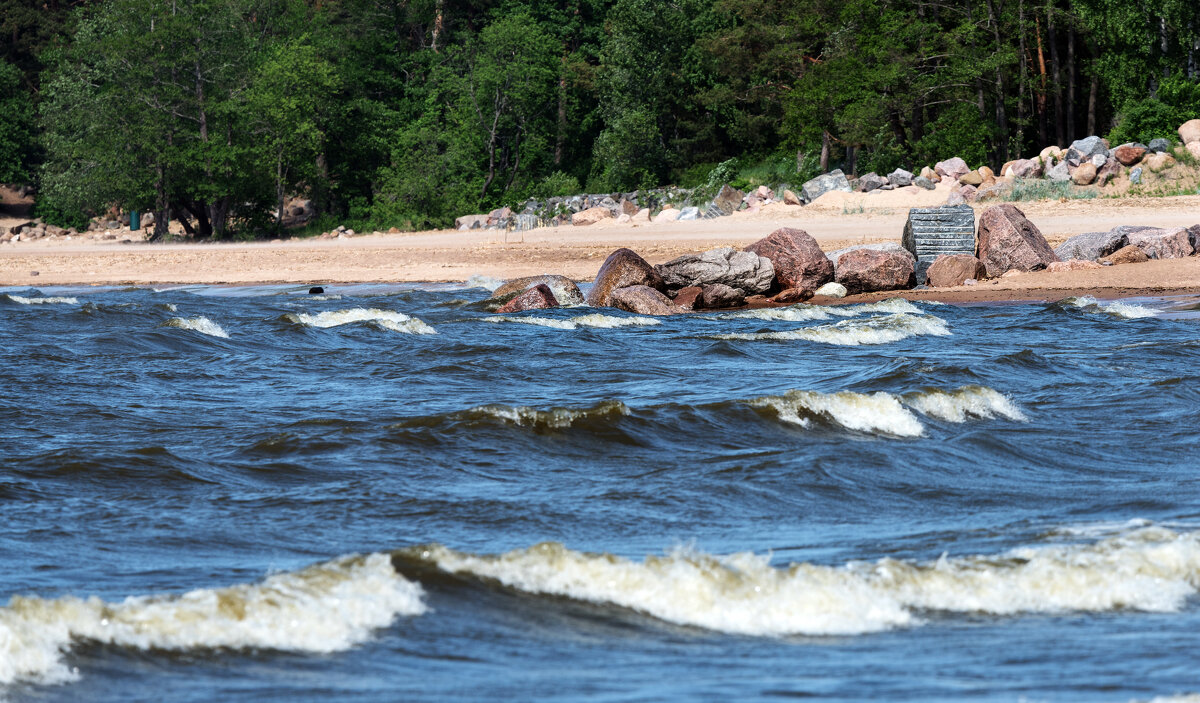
16, 125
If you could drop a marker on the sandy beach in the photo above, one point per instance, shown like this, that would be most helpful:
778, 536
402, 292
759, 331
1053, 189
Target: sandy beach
577, 252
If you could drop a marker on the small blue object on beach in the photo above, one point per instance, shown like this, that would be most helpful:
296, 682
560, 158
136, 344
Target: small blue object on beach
135, 221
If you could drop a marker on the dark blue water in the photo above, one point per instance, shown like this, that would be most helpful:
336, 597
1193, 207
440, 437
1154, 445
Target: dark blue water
254, 494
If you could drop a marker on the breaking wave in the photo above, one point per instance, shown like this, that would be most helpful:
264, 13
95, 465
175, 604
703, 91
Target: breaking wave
51, 300
592, 321
535, 418
201, 324
964, 403
1150, 569
323, 608
874, 330
1128, 311
386, 319
809, 313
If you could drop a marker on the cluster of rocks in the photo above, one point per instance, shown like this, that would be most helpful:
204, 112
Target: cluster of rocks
35, 229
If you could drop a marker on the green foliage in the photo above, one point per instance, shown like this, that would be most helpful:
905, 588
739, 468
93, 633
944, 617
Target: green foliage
628, 154
16, 126
957, 132
556, 184
1141, 120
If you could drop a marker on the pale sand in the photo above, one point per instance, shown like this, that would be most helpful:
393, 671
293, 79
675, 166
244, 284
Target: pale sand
577, 252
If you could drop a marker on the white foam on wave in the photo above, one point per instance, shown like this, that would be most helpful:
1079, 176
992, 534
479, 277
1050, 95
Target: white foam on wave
795, 313
323, 297
323, 608
1151, 569
593, 321
50, 300
874, 330
200, 324
875, 413
490, 283
963, 403
555, 418
1128, 311
891, 305
387, 319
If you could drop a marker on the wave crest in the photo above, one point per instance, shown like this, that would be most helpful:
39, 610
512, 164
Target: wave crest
963, 403
874, 330
593, 321
50, 300
200, 324
387, 319
875, 413
1117, 308
553, 418
323, 608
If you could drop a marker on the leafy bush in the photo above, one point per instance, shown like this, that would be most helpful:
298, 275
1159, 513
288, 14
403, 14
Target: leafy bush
957, 132
556, 184
1177, 101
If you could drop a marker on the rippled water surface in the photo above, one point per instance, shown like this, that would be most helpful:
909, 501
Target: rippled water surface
386, 493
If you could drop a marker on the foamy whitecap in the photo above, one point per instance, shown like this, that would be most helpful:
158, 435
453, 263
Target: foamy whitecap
50, 300
961, 404
891, 305
553, 418
323, 608
1128, 311
875, 412
490, 283
1152, 570
594, 321
795, 313
200, 324
323, 297
387, 319
874, 330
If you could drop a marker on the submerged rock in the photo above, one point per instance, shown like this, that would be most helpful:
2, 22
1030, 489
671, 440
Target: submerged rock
564, 289
621, 269
643, 300
1009, 241
536, 297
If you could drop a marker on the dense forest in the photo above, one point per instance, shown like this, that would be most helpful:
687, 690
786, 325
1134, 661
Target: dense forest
410, 112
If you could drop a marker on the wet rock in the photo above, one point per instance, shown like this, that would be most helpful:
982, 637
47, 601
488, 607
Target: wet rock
643, 300
869, 270
1091, 246
834, 180
564, 289
900, 178
1163, 243
1009, 241
953, 270
536, 297
953, 169
1072, 265
686, 298
792, 296
1129, 154
737, 269
591, 216
832, 290
622, 268
796, 258
316, 290
719, 295
1126, 255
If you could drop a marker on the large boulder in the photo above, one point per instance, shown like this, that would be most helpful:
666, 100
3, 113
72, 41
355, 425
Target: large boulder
1189, 132
622, 268
669, 214
1025, 168
971, 178
468, 222
1060, 172
1085, 174
728, 199
1129, 154
535, 298
591, 216
869, 270
1174, 243
951, 270
1159, 162
834, 180
1084, 149
737, 269
1126, 255
688, 298
564, 289
643, 300
796, 257
1091, 246
836, 256
719, 295
900, 178
1009, 241
953, 169
870, 182
1159, 145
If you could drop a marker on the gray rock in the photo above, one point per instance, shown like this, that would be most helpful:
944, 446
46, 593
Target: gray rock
737, 269
900, 178
1060, 172
870, 182
1098, 160
1092, 245
933, 232
719, 295
923, 182
1135, 176
832, 290
834, 180
1159, 145
1088, 147
689, 213
564, 289
728, 199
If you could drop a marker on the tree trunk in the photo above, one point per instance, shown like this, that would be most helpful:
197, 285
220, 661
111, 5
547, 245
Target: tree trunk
1070, 84
1060, 132
279, 191
437, 24
1043, 122
162, 204
1164, 45
1094, 90
824, 152
218, 217
1023, 69
1001, 113
560, 137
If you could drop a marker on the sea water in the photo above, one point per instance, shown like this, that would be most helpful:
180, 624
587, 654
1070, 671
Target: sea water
388, 493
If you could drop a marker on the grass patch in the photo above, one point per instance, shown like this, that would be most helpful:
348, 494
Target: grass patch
1027, 189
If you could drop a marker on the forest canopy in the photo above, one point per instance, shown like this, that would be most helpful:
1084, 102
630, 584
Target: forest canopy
411, 112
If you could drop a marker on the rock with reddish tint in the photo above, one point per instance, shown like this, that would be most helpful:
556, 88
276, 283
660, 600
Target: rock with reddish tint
790, 198
535, 298
1163, 243
792, 296
796, 257
686, 298
953, 269
953, 169
1189, 132
1024, 168
719, 295
1126, 255
622, 268
628, 207
564, 289
869, 270
1072, 265
591, 216
1009, 241
1129, 154
643, 300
